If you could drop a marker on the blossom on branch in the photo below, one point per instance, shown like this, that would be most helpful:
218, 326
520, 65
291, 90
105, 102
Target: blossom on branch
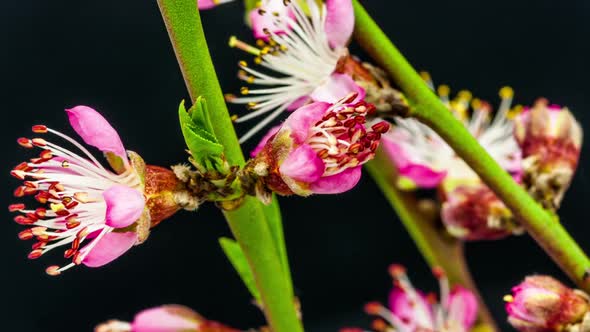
320, 148
411, 310
97, 213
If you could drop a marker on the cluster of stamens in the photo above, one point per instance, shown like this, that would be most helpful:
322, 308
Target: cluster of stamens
341, 139
298, 59
70, 189
387, 321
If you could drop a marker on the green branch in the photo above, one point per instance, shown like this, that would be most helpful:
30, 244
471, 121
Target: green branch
437, 247
426, 106
249, 223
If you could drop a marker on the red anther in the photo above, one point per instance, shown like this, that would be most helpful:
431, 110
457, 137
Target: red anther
25, 142
35, 254
323, 153
76, 244
37, 161
62, 213
438, 272
39, 129
397, 270
18, 174
43, 238
349, 123
41, 213
19, 191
32, 216
379, 325
374, 146
78, 258
71, 205
56, 187
39, 142
371, 109
16, 207
373, 308
42, 197
83, 233
53, 270
22, 220
72, 224
24, 166
360, 119
46, 155
69, 253
39, 230
38, 245
27, 234
355, 148
31, 184
350, 98
381, 127
29, 191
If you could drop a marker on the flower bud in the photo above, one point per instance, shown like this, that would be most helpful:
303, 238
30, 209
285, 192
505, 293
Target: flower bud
541, 304
319, 149
472, 212
167, 318
550, 139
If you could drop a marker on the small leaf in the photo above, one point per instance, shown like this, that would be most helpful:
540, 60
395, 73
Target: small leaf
236, 256
198, 134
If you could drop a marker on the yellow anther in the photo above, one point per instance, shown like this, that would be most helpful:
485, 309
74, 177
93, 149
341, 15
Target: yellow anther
464, 95
514, 112
57, 207
506, 92
444, 90
476, 103
425, 76
234, 117
508, 298
229, 97
260, 43
257, 60
251, 105
250, 79
244, 90
243, 63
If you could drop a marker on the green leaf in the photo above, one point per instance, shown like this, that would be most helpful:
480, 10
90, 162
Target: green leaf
236, 256
273, 218
199, 136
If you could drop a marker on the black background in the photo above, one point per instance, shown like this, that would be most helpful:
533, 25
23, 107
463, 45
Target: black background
116, 57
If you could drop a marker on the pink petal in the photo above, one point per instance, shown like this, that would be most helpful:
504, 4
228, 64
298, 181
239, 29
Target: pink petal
462, 307
303, 118
337, 87
164, 319
338, 183
339, 22
264, 140
273, 9
299, 102
303, 165
95, 130
423, 176
109, 247
206, 4
414, 313
124, 206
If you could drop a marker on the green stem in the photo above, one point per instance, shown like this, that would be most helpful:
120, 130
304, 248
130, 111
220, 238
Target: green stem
249, 222
437, 247
426, 106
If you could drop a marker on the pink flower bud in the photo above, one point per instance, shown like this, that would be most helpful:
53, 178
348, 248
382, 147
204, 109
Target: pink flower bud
550, 139
472, 211
541, 304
